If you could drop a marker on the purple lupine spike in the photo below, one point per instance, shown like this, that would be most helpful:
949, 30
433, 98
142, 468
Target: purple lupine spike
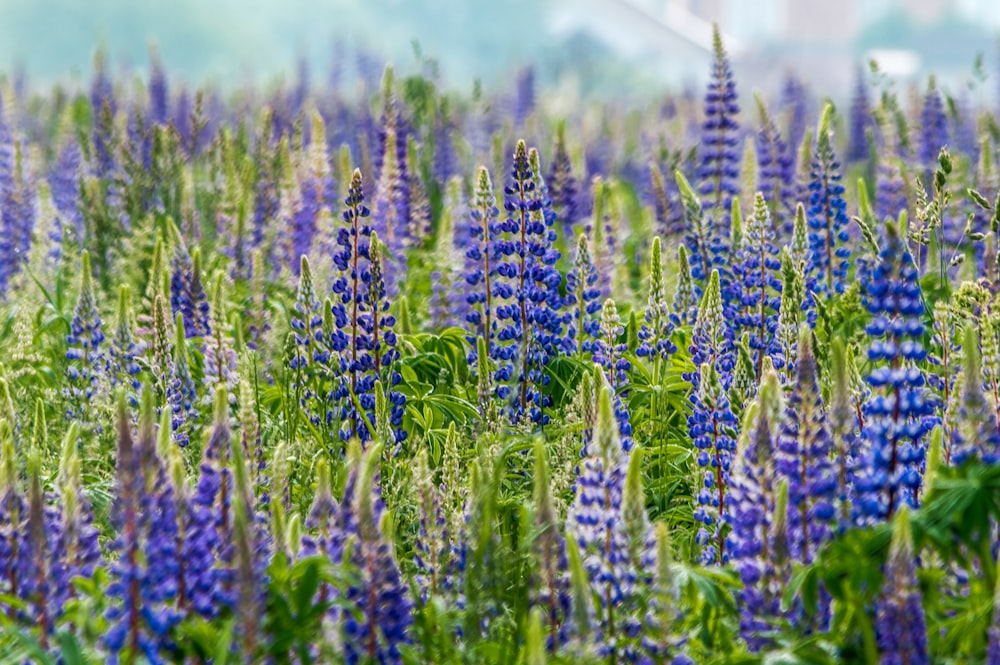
795, 106
380, 624
754, 294
977, 435
804, 458
712, 427
481, 261
900, 624
827, 216
208, 543
719, 150
159, 95
379, 325
104, 107
87, 365
899, 413
860, 120
583, 301
219, 356
657, 327
311, 355
187, 293
712, 338
552, 589
316, 197
684, 306
933, 126
64, 185
449, 305
180, 393
352, 260
13, 514
124, 351
753, 508
391, 208
596, 524
563, 187
609, 354
529, 321
776, 178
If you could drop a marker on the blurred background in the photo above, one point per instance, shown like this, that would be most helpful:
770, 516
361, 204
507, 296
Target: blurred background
593, 47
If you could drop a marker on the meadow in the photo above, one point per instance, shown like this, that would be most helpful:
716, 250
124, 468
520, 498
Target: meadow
369, 371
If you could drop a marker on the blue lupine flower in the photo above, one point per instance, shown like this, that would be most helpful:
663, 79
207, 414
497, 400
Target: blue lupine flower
977, 435
124, 351
529, 320
583, 300
187, 293
551, 591
804, 459
159, 95
392, 203
933, 126
898, 413
657, 325
795, 103
481, 260
712, 427
719, 148
776, 175
87, 364
900, 625
860, 120
712, 337
563, 187
380, 624
597, 525
219, 356
180, 391
754, 294
684, 306
64, 185
311, 356
752, 514
208, 543
827, 215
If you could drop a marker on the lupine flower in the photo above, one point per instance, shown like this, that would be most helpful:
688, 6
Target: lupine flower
583, 299
790, 314
609, 354
712, 427
138, 622
657, 326
13, 514
529, 321
380, 624
597, 526
310, 355
753, 497
87, 364
777, 170
603, 237
187, 293
354, 240
897, 414
754, 292
481, 260
712, 337
977, 434
124, 351
448, 302
220, 357
794, 104
64, 185
804, 459
860, 120
669, 215
391, 210
563, 186
317, 194
827, 214
706, 251
181, 395
933, 126
720, 159
552, 592
208, 543
900, 625
78, 545
684, 307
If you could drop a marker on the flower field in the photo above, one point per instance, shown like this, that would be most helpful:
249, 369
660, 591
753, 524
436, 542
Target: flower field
373, 372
